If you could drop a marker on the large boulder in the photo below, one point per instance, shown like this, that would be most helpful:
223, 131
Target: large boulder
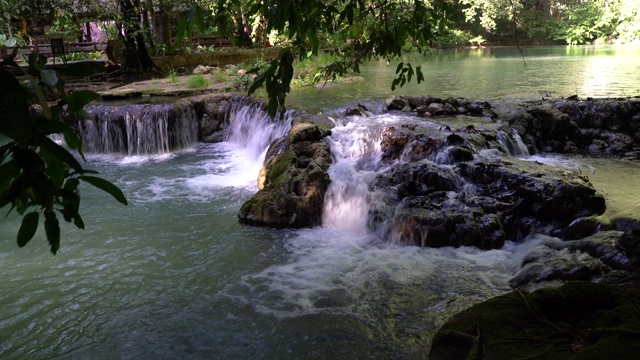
479, 203
294, 178
579, 320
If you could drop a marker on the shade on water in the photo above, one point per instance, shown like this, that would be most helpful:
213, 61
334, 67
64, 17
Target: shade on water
173, 275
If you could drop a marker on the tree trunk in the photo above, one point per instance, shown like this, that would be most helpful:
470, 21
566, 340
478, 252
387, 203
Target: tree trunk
163, 25
149, 26
136, 52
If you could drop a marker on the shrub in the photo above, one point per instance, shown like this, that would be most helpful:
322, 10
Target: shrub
197, 82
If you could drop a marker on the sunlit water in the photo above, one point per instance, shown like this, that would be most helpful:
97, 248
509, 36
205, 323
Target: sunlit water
174, 276
594, 71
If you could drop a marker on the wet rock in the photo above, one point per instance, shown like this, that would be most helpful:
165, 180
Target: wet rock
597, 126
423, 109
436, 108
458, 154
396, 103
580, 228
353, 111
449, 109
589, 258
629, 244
480, 203
294, 178
572, 321
549, 264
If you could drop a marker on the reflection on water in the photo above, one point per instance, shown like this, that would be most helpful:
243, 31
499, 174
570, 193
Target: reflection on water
596, 71
174, 275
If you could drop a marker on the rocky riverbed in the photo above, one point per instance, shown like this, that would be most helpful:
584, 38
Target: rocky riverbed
445, 180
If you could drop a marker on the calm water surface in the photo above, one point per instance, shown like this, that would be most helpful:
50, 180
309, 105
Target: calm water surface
174, 276
596, 71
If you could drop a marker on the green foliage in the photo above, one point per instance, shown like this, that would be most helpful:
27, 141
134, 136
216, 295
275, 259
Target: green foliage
358, 29
64, 23
110, 30
405, 72
309, 70
197, 82
277, 79
220, 78
173, 76
194, 17
10, 41
38, 176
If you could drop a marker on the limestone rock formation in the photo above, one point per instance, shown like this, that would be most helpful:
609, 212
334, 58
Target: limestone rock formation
294, 178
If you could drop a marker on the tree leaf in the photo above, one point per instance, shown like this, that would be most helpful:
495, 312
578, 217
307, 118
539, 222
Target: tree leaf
61, 153
257, 83
28, 228
9, 170
400, 66
199, 18
16, 121
106, 186
78, 99
52, 229
420, 75
55, 167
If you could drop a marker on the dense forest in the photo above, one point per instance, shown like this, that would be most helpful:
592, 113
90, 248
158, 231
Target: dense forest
451, 22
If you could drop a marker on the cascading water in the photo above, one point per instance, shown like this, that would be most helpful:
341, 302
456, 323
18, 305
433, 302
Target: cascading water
251, 128
356, 153
173, 275
348, 277
144, 129
513, 145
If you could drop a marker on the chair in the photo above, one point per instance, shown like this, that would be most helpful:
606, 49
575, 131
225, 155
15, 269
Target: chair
57, 47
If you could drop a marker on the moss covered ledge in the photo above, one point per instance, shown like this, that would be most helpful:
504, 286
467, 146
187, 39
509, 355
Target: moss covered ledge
579, 320
294, 178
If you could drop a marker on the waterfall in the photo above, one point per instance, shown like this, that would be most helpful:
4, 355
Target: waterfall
513, 146
143, 129
355, 149
250, 126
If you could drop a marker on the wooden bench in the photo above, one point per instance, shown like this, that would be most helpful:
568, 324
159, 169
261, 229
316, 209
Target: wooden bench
70, 47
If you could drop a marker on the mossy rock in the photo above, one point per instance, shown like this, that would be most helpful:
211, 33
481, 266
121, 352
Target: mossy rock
580, 320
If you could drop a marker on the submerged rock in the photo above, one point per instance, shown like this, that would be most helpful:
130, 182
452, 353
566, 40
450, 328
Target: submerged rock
579, 320
294, 178
589, 258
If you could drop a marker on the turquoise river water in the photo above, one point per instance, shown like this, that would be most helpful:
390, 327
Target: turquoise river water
174, 276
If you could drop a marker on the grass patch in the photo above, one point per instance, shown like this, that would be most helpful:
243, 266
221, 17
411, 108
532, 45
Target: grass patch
197, 82
220, 78
173, 76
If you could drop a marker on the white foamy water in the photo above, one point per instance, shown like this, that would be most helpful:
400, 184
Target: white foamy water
232, 164
355, 149
345, 269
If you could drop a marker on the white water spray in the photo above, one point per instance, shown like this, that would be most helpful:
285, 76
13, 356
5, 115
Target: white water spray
248, 134
251, 128
355, 149
139, 130
513, 145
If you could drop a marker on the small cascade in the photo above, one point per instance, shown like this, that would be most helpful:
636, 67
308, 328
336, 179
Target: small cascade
356, 152
143, 129
251, 127
513, 145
